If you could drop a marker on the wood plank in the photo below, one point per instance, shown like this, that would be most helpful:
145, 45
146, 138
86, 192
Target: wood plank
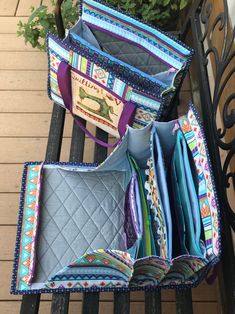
23, 60
105, 307
25, 101
7, 242
13, 307
169, 307
5, 282
11, 42
25, 5
10, 307
32, 125
48, 4
9, 204
205, 308
19, 150
12, 178
8, 24
8, 8
23, 80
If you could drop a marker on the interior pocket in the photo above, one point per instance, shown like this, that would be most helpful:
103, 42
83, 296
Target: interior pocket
147, 246
79, 212
125, 51
186, 205
160, 172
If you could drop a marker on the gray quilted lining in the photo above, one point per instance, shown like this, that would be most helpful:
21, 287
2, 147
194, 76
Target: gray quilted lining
130, 53
79, 212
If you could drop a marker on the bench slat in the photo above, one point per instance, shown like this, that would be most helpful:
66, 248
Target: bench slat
90, 304
184, 304
121, 302
153, 302
30, 304
100, 152
60, 303
77, 143
55, 134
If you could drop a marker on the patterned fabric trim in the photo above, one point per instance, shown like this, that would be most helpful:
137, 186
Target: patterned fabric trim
159, 225
109, 19
149, 271
208, 207
29, 226
101, 268
153, 270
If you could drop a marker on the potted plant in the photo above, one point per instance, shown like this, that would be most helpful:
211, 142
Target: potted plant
162, 13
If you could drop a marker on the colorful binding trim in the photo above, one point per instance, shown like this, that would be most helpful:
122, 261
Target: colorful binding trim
29, 226
207, 199
100, 268
109, 19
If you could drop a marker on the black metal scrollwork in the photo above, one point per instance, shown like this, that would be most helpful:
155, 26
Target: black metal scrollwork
218, 39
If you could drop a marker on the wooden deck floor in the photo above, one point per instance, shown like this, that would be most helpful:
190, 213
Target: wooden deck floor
24, 123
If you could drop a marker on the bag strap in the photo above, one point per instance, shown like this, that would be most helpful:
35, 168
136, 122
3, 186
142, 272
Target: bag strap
64, 83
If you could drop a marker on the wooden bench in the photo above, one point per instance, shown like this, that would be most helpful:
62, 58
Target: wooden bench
197, 31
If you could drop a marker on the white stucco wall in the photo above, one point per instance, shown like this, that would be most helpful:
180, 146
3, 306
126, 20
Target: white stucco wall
231, 8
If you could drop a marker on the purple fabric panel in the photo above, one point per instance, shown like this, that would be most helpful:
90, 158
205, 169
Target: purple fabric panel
64, 82
126, 117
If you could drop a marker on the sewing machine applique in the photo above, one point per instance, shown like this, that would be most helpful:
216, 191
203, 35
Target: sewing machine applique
96, 104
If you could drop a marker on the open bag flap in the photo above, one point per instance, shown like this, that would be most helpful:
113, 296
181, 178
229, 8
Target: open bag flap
144, 271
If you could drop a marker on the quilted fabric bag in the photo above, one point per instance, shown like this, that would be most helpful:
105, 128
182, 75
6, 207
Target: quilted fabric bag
146, 217
112, 69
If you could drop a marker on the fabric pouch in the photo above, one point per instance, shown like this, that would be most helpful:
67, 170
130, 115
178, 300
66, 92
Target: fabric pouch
112, 69
146, 217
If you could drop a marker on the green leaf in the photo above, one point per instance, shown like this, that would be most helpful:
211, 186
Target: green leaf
36, 12
166, 2
174, 7
183, 4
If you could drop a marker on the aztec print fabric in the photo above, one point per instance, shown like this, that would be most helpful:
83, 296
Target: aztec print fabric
95, 49
126, 230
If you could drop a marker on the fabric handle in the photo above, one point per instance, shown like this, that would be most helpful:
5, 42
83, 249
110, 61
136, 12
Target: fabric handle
64, 83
